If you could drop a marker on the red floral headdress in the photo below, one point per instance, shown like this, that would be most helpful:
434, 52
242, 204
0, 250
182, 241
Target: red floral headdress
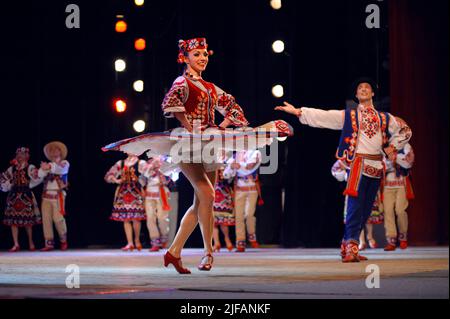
186, 46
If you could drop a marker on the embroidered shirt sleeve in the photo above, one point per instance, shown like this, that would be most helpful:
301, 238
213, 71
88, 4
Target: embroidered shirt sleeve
176, 98
227, 106
33, 173
114, 172
228, 172
332, 119
60, 169
400, 134
5, 180
405, 158
339, 172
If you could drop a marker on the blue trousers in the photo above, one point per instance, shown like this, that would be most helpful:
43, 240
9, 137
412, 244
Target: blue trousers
359, 208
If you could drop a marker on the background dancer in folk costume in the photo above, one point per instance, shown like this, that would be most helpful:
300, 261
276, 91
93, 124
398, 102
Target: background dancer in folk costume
128, 206
55, 177
376, 218
340, 172
157, 207
193, 101
397, 194
21, 206
173, 203
247, 190
366, 134
223, 209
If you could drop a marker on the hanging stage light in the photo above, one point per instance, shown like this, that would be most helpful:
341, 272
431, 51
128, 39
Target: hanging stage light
278, 91
120, 65
121, 26
139, 126
138, 86
276, 4
278, 46
120, 105
140, 44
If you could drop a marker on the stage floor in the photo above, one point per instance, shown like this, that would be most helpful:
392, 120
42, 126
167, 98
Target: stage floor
257, 274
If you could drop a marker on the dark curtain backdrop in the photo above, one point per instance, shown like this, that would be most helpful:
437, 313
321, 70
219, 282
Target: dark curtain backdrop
419, 91
59, 84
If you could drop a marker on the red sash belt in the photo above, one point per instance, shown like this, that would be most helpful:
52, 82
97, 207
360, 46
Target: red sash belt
409, 189
356, 170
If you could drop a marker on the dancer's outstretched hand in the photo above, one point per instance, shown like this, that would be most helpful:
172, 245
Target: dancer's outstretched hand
289, 108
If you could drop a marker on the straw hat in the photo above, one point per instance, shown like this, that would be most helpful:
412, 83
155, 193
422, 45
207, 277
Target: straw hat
57, 144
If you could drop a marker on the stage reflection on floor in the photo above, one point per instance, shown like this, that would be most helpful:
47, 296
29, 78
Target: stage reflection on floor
257, 274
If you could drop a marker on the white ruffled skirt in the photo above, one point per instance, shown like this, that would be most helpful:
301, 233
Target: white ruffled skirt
208, 147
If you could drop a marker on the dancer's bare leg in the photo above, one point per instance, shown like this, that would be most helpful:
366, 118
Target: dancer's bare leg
226, 234
362, 239
216, 237
212, 179
29, 231
369, 229
15, 235
201, 211
128, 232
372, 241
137, 232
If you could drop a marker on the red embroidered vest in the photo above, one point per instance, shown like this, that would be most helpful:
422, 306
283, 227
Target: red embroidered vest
201, 105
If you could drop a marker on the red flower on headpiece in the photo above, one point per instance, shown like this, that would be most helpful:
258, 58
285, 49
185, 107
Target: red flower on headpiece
186, 46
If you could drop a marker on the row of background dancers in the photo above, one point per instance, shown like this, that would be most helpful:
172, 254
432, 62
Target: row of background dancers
144, 194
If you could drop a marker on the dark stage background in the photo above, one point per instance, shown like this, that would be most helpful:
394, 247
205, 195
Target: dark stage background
59, 84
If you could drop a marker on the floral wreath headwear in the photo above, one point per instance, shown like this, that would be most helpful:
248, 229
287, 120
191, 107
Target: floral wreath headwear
186, 46
23, 150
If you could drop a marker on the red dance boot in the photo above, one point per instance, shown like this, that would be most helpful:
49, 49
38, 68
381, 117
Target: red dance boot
128, 247
390, 247
49, 245
351, 252
14, 249
176, 262
156, 245
403, 244
392, 244
64, 246
240, 246
253, 242
403, 241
